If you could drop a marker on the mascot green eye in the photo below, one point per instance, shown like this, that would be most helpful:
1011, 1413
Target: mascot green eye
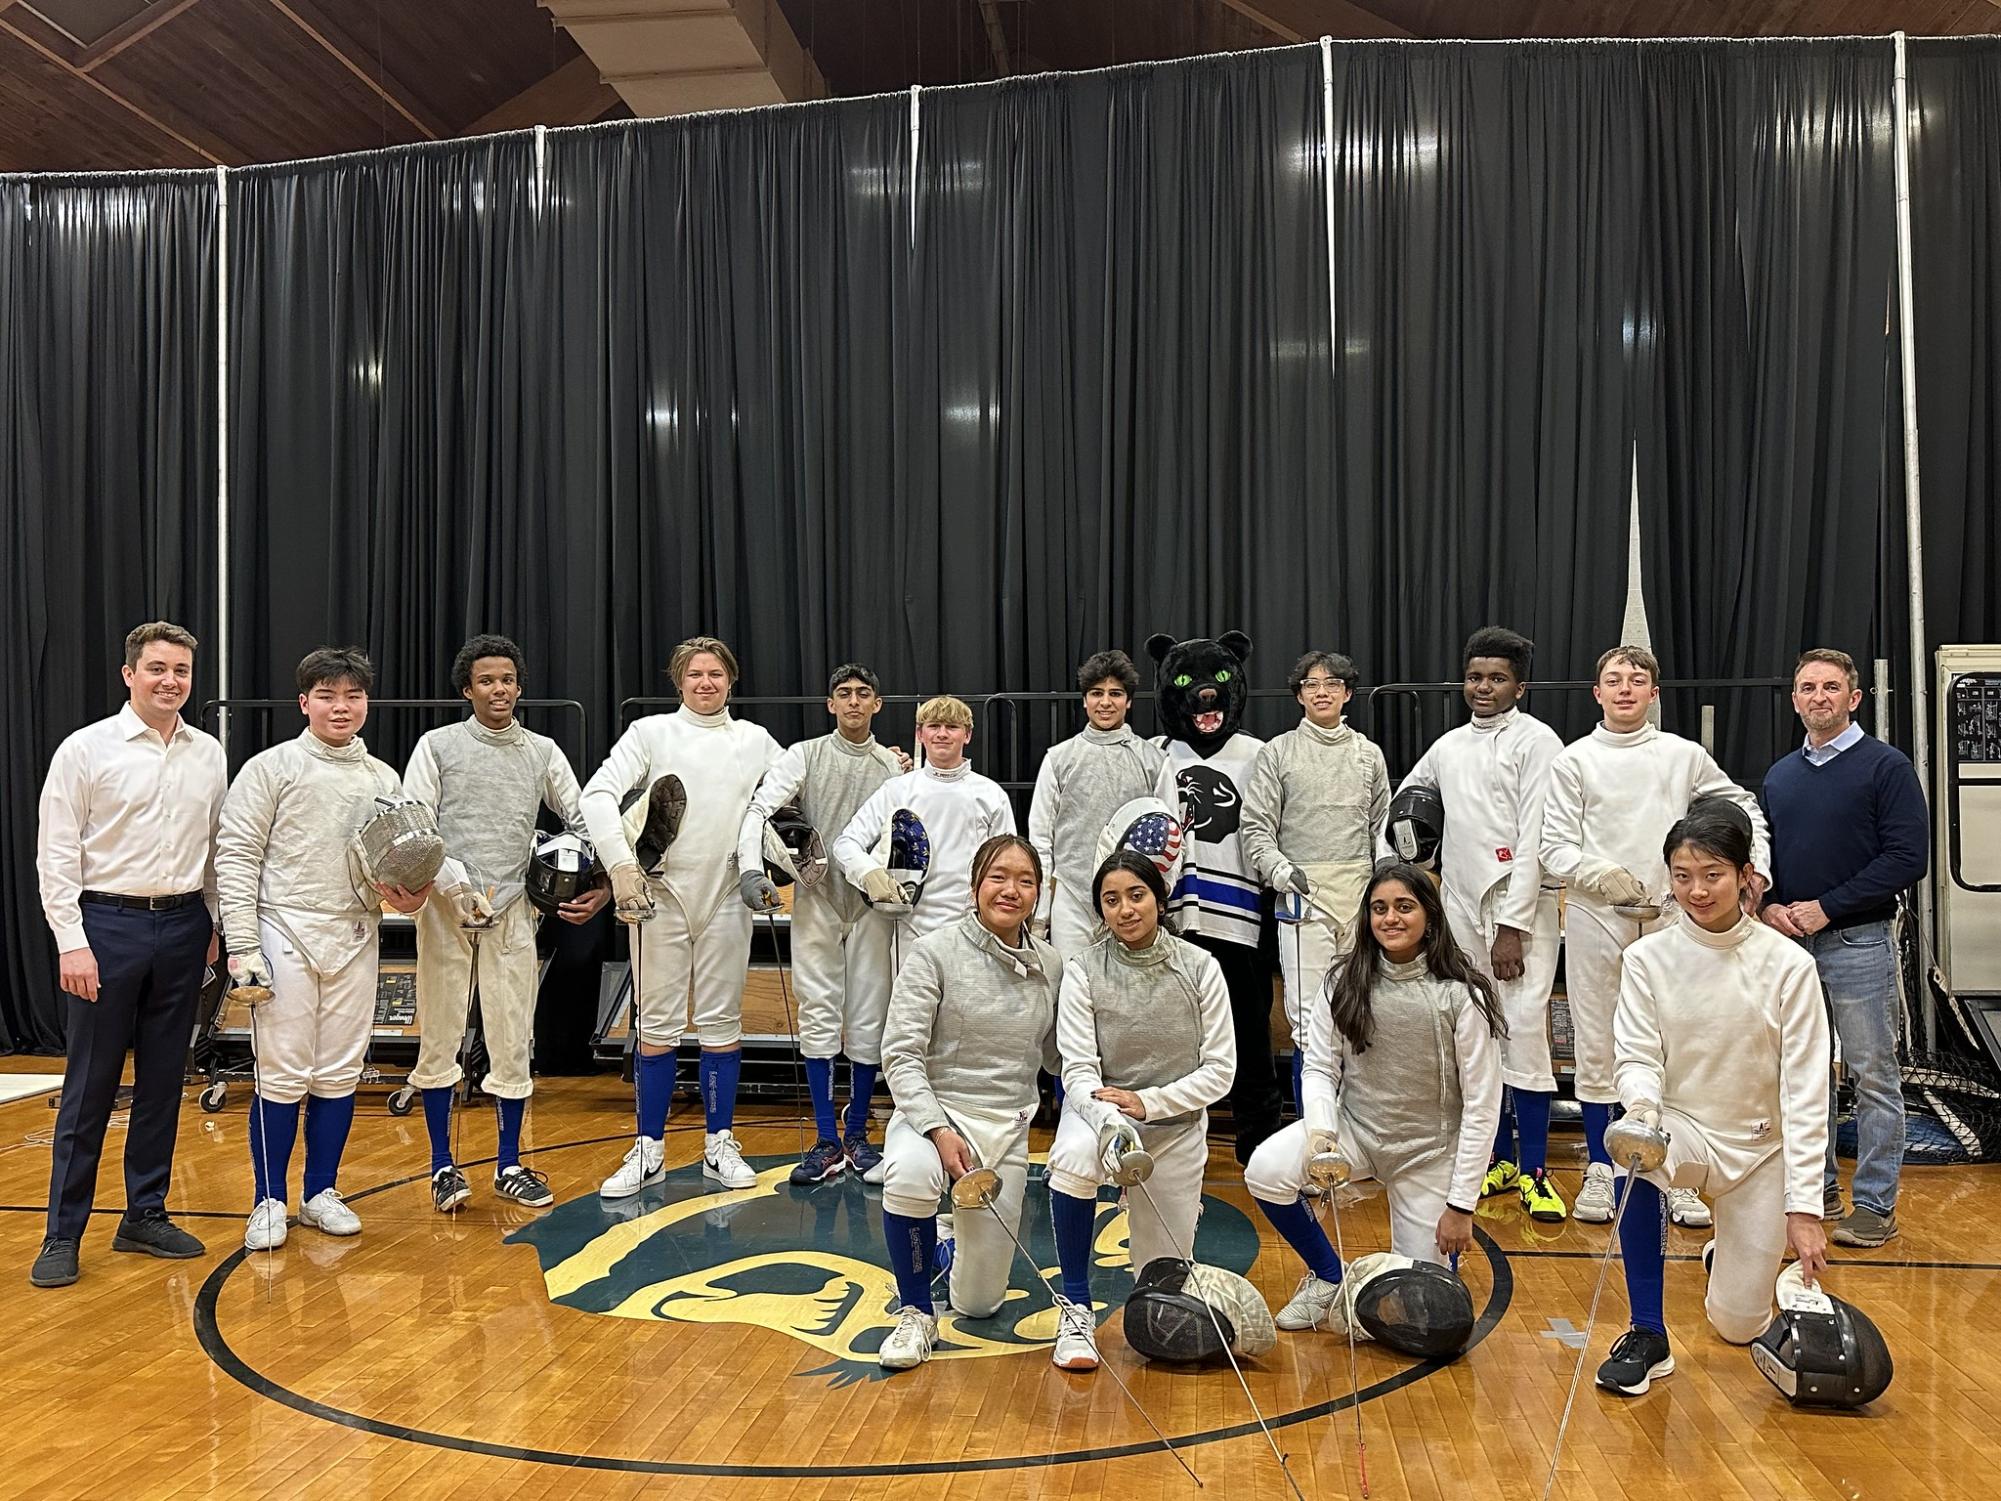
1182, 680
1223, 676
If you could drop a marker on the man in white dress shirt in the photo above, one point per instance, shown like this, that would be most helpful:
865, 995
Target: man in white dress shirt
126, 860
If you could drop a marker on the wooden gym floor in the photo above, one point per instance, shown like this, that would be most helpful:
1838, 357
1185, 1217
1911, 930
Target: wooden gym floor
719, 1346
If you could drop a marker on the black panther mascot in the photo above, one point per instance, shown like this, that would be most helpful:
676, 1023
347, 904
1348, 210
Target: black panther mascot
1218, 903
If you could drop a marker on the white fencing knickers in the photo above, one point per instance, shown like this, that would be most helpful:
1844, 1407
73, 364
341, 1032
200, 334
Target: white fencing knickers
311, 1037
508, 970
693, 971
1525, 1062
840, 972
1595, 939
1750, 1227
914, 1180
1174, 1192
1277, 1172
1307, 950
1073, 926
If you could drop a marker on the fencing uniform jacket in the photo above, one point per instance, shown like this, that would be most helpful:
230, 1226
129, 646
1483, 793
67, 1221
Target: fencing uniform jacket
960, 809
1082, 782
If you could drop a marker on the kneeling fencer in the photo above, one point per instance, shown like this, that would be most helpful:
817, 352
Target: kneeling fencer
971, 1019
1721, 1043
486, 778
1403, 1073
840, 945
674, 879
300, 921
1143, 1025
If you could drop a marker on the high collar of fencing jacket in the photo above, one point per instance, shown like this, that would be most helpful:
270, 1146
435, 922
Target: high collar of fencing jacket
1640, 736
1025, 960
1335, 736
350, 754
949, 773
720, 720
1730, 938
513, 734
1493, 724
848, 747
1414, 968
1148, 956
1120, 736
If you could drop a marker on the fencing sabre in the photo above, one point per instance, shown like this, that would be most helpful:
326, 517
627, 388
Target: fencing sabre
634, 917
1639, 914
791, 1026
979, 1188
473, 931
254, 996
1329, 1171
1640, 1149
1185, 1253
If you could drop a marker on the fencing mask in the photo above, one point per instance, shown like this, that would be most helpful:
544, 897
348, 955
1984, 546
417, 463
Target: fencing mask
560, 870
1148, 826
905, 850
1416, 825
1167, 1316
1414, 1307
651, 822
1821, 1352
792, 849
398, 844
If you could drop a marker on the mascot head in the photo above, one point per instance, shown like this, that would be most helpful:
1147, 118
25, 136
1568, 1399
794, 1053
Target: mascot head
1201, 687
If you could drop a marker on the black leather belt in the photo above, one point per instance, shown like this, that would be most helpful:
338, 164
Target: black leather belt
143, 903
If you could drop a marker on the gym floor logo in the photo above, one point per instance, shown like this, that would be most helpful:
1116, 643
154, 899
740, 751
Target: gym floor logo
810, 1263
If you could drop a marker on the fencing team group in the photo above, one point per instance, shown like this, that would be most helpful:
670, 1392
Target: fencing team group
1709, 941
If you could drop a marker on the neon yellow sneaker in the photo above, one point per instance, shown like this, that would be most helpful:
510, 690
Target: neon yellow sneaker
1541, 1200
1501, 1177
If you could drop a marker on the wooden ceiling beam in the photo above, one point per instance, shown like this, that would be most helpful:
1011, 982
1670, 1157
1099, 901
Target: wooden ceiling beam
125, 34
1309, 20
350, 55
575, 94
8, 25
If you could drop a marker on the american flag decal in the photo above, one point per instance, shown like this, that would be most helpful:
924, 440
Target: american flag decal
1158, 837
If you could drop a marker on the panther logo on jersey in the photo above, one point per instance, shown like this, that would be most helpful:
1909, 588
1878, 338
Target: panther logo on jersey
810, 1263
1211, 802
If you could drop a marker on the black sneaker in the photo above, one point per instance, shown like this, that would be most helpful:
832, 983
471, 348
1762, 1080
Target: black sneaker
153, 1234
449, 1189
827, 1159
55, 1266
524, 1186
1639, 1358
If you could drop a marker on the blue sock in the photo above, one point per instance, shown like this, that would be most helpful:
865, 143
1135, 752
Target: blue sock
653, 1082
1643, 1244
327, 1123
1596, 1119
820, 1085
1532, 1124
912, 1242
1504, 1133
1073, 1218
1056, 1091
1299, 1081
509, 1154
438, 1122
719, 1076
274, 1127
861, 1089
1303, 1233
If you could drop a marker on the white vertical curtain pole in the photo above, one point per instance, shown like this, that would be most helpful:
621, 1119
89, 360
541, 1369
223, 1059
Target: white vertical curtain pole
1914, 531
916, 136
541, 190
222, 679
1327, 185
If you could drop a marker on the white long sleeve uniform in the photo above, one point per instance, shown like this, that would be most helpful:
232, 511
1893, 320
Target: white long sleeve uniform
1492, 775
1316, 803
840, 945
487, 788
1416, 1111
1156, 1021
1081, 783
1727, 1033
698, 942
288, 887
960, 811
1612, 799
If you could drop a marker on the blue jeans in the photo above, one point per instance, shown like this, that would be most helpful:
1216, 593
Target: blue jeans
1858, 969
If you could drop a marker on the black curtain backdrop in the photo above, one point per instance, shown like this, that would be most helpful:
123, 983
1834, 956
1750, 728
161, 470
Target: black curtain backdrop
107, 489
1085, 375
1955, 107
1764, 343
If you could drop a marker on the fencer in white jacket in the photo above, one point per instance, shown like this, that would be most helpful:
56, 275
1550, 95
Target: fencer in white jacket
694, 932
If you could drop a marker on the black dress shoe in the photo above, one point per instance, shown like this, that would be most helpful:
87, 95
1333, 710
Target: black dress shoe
56, 1265
156, 1235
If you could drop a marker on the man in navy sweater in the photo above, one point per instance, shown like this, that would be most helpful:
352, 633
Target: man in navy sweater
1849, 832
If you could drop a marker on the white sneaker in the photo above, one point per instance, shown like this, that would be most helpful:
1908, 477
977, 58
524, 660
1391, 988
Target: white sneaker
1594, 1200
909, 1343
266, 1229
643, 1167
1316, 1305
325, 1211
1685, 1207
1075, 1324
722, 1159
